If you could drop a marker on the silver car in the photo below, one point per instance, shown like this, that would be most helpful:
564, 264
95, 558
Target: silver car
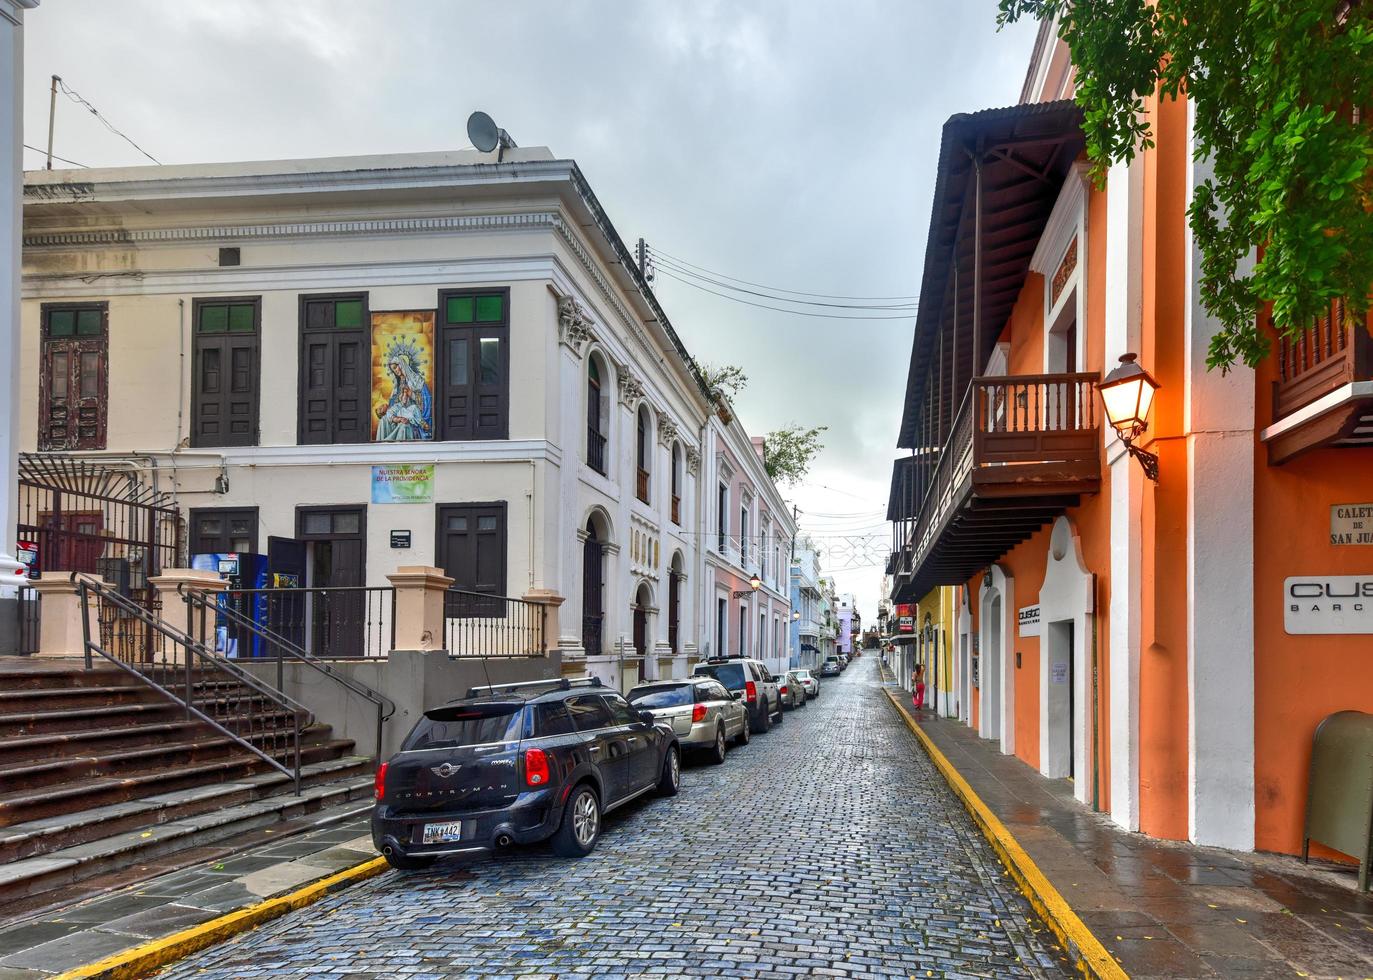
810, 682
703, 713
792, 691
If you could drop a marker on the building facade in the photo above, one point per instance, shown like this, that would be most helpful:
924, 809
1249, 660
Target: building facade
356, 364
1170, 645
808, 625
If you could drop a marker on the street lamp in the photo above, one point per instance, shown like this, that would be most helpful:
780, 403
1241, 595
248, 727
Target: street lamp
1127, 393
795, 615
754, 584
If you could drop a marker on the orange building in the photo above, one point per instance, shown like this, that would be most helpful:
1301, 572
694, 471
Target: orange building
1168, 645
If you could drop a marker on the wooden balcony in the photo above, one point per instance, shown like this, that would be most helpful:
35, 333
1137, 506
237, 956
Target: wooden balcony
1022, 450
1324, 392
676, 510
641, 485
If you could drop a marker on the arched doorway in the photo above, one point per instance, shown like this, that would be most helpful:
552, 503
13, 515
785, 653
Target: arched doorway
593, 590
674, 604
996, 703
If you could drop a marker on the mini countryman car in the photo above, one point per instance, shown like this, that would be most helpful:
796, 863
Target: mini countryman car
516, 764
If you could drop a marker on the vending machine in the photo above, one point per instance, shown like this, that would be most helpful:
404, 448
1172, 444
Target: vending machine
246, 575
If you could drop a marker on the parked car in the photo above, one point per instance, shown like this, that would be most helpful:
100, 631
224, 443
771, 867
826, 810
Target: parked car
792, 694
518, 763
831, 667
701, 712
754, 681
809, 681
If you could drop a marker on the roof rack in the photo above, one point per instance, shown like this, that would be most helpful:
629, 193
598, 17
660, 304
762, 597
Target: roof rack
556, 683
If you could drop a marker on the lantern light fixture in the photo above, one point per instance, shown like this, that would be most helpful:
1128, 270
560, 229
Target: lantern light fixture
754, 584
1126, 395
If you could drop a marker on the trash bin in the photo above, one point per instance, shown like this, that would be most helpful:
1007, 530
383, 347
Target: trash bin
1339, 801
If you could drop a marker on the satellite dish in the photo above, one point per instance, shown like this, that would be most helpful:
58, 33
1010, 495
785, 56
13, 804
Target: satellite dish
483, 132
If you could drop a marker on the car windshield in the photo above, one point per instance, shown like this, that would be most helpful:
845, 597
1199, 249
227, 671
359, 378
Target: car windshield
730, 675
454, 726
661, 697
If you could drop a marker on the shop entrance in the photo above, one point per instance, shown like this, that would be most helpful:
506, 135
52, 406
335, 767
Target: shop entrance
1060, 697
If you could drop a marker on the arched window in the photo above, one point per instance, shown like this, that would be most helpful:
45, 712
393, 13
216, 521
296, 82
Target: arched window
674, 602
595, 422
677, 483
645, 453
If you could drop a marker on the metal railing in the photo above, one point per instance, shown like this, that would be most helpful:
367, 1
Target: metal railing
641, 484
341, 623
29, 619
480, 625
676, 510
204, 608
1331, 351
595, 450
210, 688
591, 635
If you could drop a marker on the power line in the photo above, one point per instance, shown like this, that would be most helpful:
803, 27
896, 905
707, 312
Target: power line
81, 101
776, 289
36, 149
680, 270
779, 309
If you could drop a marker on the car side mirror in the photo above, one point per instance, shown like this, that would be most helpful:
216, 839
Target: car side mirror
735, 695
648, 717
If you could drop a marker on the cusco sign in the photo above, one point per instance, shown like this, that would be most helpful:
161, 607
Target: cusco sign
1328, 604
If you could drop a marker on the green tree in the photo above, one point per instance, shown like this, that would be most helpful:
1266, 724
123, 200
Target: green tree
1272, 86
724, 382
788, 452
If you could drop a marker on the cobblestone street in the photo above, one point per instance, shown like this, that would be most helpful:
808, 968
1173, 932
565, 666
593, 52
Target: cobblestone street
887, 877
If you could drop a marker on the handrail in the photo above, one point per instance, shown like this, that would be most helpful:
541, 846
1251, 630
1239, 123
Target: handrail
86, 586
197, 599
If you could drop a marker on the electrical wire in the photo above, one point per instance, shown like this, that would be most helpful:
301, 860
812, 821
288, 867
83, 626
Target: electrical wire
81, 101
780, 309
671, 267
54, 156
776, 289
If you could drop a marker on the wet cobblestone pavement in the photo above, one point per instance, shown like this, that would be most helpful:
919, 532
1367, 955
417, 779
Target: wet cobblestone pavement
887, 878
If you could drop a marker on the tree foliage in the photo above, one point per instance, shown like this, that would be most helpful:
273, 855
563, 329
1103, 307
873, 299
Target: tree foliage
1272, 86
788, 452
723, 382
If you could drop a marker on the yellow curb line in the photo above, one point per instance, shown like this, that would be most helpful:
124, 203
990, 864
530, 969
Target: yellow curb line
142, 960
1090, 956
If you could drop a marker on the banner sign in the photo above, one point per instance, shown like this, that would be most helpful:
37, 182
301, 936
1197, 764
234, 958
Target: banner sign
403, 483
1329, 604
403, 376
905, 617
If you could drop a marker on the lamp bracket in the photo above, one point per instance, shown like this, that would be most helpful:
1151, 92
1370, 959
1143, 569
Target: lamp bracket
1147, 460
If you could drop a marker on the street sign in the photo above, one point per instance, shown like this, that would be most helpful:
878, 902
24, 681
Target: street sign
1351, 524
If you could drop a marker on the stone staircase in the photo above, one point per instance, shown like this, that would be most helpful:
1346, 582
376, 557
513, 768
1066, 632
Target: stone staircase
100, 772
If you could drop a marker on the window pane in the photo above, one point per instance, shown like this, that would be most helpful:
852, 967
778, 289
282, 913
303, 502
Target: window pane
457, 524
214, 319
316, 523
486, 524
593, 371
241, 319
490, 309
347, 523
457, 362
490, 361
240, 525
57, 384
460, 309
61, 323
88, 323
348, 313
90, 374
241, 545
210, 526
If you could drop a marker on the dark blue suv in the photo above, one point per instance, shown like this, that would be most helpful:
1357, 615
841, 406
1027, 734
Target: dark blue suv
518, 763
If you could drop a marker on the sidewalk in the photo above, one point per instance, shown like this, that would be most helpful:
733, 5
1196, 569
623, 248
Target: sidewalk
1165, 909
52, 942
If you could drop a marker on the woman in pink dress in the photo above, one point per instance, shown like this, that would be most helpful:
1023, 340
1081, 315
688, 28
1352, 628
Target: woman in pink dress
918, 684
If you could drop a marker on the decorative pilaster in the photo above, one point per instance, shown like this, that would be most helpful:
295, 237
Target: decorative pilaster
693, 460
667, 430
574, 325
631, 388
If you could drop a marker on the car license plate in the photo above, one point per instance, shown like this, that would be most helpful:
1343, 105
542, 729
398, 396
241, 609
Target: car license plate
442, 833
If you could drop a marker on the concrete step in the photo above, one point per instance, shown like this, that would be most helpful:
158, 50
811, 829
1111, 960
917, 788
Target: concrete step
27, 877
24, 679
41, 836
78, 719
64, 744
88, 696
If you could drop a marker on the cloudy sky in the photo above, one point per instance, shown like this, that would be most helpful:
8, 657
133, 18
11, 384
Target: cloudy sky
790, 143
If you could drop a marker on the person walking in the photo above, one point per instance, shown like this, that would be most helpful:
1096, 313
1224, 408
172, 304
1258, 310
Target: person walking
918, 686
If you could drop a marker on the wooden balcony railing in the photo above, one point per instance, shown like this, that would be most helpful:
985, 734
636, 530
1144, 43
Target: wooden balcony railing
641, 485
1333, 351
595, 450
1023, 435
676, 509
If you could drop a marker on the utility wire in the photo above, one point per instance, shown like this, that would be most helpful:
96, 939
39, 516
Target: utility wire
680, 270
780, 309
36, 149
81, 101
776, 289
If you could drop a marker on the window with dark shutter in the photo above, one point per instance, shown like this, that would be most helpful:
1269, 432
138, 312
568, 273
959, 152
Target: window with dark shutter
471, 551
223, 530
74, 384
226, 377
474, 364
335, 369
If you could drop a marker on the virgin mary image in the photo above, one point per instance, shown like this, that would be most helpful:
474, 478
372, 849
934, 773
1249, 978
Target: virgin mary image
409, 415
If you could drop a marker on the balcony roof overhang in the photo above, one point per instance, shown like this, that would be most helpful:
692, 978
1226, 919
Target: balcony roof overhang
1024, 153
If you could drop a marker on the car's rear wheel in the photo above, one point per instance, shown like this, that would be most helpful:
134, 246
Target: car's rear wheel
581, 826
410, 862
745, 733
717, 755
671, 779
781, 715
764, 723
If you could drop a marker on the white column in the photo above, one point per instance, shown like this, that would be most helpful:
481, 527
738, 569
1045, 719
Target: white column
1124, 250
1219, 422
571, 525
11, 223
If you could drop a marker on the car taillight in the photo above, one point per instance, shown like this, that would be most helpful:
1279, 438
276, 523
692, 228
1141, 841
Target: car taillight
379, 784
750, 691
782, 689
698, 713
535, 767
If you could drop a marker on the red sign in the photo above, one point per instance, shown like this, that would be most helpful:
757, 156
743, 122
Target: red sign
905, 617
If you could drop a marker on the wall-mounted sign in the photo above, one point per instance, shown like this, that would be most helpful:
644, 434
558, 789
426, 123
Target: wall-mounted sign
1028, 620
905, 617
1351, 524
403, 483
1329, 604
1058, 673
400, 539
